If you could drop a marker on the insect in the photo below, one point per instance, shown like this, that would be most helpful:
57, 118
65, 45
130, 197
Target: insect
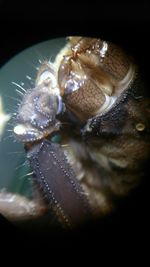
85, 129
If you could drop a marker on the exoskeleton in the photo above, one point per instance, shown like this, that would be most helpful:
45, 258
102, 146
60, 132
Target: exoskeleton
85, 128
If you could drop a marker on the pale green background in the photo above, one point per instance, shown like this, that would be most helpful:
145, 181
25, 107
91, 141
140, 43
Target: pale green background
12, 154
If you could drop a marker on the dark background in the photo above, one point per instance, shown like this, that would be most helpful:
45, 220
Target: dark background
25, 23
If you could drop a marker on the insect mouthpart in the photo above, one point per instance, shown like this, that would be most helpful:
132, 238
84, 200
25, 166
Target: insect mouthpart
26, 133
37, 113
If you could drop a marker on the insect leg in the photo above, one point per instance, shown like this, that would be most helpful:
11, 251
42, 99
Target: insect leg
58, 183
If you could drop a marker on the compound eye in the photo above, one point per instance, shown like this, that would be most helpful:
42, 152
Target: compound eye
81, 93
83, 97
92, 76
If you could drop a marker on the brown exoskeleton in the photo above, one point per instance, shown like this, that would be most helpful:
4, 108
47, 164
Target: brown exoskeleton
93, 97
